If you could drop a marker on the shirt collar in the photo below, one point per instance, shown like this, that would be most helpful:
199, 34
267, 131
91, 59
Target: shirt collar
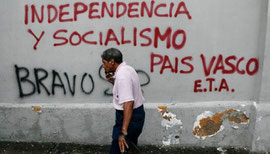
121, 65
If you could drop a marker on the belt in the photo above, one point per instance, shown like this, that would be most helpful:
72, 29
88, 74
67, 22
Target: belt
122, 112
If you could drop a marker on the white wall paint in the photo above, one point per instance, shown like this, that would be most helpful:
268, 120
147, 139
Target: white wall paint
217, 27
265, 88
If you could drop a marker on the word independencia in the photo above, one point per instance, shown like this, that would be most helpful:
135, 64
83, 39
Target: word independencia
97, 10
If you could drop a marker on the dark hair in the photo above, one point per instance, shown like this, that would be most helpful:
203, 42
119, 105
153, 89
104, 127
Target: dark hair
112, 53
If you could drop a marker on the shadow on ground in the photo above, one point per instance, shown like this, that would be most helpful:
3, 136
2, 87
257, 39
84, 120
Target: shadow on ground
69, 148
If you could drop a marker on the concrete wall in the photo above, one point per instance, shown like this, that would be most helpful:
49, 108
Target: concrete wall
196, 59
261, 136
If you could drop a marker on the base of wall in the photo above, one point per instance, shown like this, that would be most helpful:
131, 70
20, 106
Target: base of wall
33, 147
87, 123
261, 139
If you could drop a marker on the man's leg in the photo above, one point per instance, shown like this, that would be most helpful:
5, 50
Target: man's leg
116, 132
136, 124
115, 147
134, 129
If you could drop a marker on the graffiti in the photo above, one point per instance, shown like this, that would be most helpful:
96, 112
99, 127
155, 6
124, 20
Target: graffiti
227, 65
144, 37
231, 62
223, 85
28, 87
107, 92
209, 84
155, 37
166, 63
82, 83
37, 38
97, 10
224, 65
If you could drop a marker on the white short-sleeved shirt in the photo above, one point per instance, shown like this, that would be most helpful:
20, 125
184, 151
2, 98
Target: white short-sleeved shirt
126, 87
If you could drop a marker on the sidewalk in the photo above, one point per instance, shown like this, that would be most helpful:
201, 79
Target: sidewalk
69, 148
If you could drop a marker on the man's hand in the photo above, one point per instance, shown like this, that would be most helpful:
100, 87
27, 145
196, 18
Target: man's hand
110, 77
128, 110
122, 143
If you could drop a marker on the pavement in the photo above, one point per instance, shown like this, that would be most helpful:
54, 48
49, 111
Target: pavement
69, 148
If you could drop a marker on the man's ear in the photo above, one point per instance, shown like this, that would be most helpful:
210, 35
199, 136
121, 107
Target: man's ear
112, 61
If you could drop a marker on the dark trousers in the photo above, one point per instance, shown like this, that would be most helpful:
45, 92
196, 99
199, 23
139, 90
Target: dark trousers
134, 129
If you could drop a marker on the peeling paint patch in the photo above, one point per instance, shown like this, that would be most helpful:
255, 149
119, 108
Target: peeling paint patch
236, 116
169, 119
37, 109
173, 126
171, 139
222, 151
209, 124
162, 109
235, 127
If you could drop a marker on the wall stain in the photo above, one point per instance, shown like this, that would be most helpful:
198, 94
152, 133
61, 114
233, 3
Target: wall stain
163, 110
173, 126
37, 109
209, 124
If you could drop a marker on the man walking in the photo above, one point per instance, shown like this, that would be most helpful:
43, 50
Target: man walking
127, 100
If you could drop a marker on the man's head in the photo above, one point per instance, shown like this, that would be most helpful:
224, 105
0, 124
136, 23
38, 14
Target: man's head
111, 58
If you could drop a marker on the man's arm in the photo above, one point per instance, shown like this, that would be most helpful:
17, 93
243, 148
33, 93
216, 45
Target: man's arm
128, 109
